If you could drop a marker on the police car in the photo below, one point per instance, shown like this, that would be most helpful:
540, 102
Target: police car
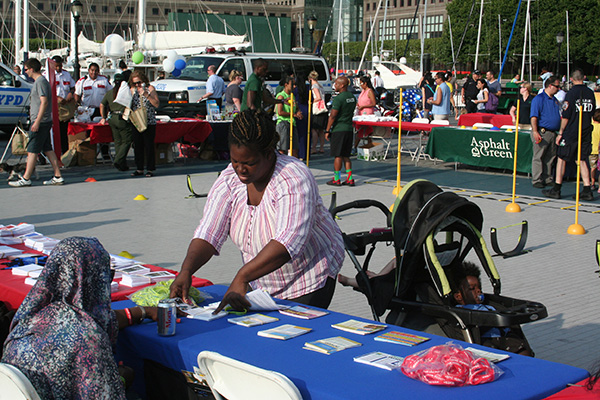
179, 96
14, 99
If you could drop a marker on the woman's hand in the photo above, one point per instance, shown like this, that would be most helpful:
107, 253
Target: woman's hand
103, 121
235, 296
181, 285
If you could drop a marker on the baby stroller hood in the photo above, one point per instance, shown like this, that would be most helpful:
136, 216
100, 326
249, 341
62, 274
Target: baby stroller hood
419, 208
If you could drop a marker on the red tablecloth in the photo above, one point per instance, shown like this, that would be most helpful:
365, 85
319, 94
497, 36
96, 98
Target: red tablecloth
497, 120
13, 288
191, 130
406, 126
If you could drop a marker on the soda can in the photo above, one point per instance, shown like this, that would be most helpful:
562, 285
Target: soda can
166, 317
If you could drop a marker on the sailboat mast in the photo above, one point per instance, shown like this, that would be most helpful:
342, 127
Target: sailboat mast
478, 36
568, 57
25, 30
18, 32
525, 41
141, 17
383, 30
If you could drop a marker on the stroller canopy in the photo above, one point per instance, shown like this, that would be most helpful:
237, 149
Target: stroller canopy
419, 208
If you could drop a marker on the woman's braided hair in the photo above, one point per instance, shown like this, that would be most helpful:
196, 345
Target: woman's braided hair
254, 129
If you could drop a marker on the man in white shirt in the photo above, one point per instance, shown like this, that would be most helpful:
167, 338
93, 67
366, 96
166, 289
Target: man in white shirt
89, 92
376, 80
65, 87
215, 86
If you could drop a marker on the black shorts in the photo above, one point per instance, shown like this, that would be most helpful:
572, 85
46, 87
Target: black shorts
341, 143
568, 152
40, 142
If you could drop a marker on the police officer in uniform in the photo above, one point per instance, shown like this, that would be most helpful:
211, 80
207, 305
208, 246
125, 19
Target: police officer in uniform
469, 91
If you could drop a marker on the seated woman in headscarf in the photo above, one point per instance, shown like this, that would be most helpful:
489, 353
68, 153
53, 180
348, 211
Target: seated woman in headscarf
63, 334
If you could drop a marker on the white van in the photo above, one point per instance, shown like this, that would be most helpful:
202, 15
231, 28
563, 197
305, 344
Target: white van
179, 96
14, 99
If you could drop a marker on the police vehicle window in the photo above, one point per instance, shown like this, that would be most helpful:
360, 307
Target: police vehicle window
276, 71
6, 79
230, 65
304, 67
197, 68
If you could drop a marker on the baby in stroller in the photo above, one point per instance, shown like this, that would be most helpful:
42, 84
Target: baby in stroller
467, 293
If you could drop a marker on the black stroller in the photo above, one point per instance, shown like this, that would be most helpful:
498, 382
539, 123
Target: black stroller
432, 232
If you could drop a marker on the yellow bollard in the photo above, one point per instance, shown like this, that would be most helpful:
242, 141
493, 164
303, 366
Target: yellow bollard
576, 228
398, 187
290, 150
514, 207
308, 144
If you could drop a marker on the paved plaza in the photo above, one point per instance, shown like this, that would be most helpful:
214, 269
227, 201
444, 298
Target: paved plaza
559, 269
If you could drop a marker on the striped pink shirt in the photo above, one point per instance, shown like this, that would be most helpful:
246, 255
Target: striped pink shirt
291, 212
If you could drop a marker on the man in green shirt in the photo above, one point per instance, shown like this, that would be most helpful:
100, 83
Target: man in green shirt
254, 94
339, 129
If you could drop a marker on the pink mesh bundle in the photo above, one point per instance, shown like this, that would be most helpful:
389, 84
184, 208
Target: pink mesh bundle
449, 365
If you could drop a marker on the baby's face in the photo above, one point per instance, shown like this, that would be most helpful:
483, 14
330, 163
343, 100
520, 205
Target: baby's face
472, 291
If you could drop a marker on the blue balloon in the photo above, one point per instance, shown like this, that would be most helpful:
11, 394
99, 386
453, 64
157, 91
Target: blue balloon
180, 64
176, 72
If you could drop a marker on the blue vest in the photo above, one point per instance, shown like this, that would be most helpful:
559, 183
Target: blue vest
444, 107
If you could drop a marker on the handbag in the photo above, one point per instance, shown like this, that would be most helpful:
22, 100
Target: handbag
19, 143
318, 107
139, 118
492, 103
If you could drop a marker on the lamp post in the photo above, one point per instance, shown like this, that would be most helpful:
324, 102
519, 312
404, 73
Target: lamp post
76, 9
312, 24
559, 39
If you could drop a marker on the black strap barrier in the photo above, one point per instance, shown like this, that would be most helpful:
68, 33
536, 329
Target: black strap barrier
520, 245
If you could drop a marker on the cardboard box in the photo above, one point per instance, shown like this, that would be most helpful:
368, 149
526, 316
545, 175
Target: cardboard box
374, 153
163, 153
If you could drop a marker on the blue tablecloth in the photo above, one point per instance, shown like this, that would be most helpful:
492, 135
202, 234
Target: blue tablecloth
336, 376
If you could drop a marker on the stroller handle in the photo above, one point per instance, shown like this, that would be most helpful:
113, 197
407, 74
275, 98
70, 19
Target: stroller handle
363, 204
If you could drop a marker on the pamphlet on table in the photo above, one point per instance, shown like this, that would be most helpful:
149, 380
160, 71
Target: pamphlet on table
403, 338
284, 332
331, 345
381, 360
303, 312
252, 320
358, 327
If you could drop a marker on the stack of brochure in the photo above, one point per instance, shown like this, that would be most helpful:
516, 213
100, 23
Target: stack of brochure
358, 327
284, 332
331, 345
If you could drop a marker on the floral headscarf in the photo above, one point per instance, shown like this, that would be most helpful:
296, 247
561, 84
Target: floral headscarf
62, 335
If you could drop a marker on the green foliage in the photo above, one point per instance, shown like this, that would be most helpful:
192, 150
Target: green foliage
548, 18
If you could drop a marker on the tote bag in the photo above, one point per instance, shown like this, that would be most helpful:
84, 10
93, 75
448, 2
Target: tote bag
318, 107
19, 143
139, 119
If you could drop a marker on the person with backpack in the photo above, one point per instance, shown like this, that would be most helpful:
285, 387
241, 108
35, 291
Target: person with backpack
495, 92
483, 96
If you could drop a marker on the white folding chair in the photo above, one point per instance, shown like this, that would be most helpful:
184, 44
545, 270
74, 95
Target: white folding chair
442, 122
482, 125
420, 120
14, 385
236, 380
419, 152
508, 127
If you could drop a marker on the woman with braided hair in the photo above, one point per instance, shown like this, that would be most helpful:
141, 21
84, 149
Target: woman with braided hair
269, 204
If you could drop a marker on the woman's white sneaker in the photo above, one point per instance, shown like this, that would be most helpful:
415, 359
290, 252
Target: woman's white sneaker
54, 181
